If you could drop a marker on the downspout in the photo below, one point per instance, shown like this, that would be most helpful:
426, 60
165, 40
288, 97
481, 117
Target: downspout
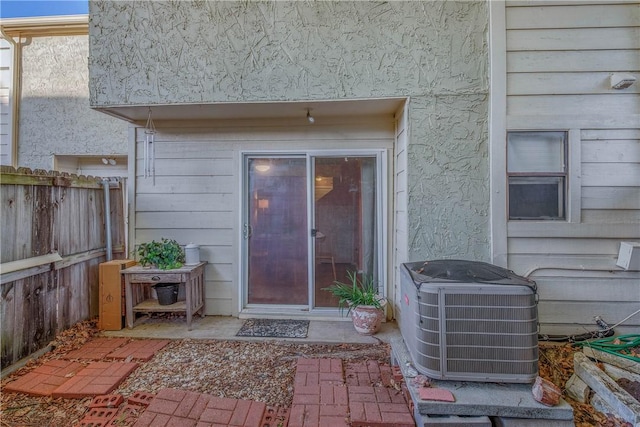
107, 218
15, 96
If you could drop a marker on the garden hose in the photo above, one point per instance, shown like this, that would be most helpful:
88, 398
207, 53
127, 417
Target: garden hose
618, 346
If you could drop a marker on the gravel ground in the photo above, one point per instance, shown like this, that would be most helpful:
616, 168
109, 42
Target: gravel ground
261, 371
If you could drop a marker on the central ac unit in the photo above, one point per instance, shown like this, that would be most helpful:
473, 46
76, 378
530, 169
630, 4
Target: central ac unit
469, 321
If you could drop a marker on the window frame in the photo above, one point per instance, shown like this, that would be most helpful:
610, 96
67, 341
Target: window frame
565, 204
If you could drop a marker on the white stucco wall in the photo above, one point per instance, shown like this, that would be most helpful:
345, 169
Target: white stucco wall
55, 117
435, 52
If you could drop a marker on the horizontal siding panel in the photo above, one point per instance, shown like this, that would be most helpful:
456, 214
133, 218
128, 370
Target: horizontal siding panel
525, 265
570, 120
571, 312
610, 198
221, 289
560, 246
613, 104
610, 134
179, 202
563, 229
611, 175
188, 150
185, 219
581, 61
612, 216
185, 184
219, 307
562, 84
616, 151
225, 237
189, 167
589, 289
574, 16
573, 39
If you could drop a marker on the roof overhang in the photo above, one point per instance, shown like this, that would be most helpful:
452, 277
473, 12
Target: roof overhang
68, 25
257, 110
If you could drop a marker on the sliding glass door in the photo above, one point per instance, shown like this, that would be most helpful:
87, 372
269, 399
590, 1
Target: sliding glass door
308, 221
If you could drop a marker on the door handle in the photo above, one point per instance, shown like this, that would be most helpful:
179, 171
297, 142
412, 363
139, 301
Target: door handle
246, 231
314, 232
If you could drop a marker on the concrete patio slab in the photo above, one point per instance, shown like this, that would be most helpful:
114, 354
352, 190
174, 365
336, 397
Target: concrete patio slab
479, 399
226, 327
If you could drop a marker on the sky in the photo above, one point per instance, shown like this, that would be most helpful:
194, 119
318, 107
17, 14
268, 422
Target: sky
30, 8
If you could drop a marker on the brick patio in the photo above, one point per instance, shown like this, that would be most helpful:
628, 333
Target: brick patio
326, 393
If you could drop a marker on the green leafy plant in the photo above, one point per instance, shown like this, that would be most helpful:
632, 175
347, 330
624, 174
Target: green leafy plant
166, 254
357, 292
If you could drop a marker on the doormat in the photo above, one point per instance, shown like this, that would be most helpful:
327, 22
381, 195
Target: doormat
274, 328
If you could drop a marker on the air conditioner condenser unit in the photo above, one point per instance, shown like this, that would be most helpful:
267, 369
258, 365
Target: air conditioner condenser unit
469, 321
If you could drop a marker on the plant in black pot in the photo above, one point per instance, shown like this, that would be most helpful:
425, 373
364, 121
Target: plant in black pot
165, 255
364, 303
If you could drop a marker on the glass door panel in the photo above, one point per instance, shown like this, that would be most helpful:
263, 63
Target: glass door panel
277, 231
344, 221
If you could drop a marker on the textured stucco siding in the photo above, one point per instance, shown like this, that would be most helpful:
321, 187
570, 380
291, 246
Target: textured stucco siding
434, 52
448, 180
55, 117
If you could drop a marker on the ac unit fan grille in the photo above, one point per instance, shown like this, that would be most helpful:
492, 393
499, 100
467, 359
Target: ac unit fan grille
492, 367
490, 327
496, 354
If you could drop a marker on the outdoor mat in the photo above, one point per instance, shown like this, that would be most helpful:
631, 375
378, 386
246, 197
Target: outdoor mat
276, 328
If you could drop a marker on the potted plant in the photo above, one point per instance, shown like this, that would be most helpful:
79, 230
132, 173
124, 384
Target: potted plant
364, 303
165, 255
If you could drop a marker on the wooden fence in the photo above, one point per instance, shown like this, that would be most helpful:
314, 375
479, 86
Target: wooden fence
53, 239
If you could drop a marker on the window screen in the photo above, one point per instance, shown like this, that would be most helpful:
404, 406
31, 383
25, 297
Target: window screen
536, 169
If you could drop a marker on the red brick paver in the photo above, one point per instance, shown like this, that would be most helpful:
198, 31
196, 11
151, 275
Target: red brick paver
107, 401
138, 350
96, 349
43, 380
369, 373
378, 406
311, 372
186, 408
96, 379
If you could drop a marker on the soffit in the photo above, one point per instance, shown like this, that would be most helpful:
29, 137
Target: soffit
259, 110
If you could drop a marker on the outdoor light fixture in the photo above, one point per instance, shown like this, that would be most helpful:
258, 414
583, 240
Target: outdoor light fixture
310, 117
109, 161
621, 80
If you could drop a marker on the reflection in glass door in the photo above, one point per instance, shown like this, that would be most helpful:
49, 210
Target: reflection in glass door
276, 231
309, 221
344, 222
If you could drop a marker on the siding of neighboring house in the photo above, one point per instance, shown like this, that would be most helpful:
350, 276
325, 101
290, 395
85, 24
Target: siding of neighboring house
559, 58
6, 104
198, 167
55, 118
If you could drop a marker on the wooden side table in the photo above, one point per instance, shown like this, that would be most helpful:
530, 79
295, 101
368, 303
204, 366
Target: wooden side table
138, 280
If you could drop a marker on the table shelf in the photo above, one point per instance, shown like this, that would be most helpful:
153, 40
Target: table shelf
138, 281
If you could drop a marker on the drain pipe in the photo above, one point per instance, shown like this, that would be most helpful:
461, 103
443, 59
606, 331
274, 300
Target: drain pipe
107, 218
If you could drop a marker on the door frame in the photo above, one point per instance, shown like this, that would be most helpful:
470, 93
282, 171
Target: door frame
382, 227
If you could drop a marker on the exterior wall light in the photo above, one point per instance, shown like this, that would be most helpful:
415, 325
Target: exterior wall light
622, 80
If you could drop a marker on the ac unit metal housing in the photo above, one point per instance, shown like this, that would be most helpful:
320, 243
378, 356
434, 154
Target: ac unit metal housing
469, 321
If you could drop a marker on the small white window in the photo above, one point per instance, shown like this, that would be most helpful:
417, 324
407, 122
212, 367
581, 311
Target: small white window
537, 174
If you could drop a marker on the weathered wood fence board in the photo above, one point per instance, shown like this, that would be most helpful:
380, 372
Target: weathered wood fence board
42, 212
